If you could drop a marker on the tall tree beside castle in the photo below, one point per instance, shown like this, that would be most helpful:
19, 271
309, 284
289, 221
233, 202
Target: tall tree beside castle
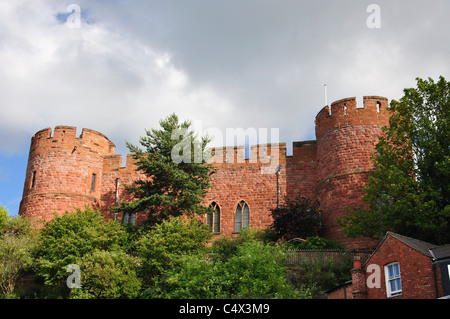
177, 175
409, 190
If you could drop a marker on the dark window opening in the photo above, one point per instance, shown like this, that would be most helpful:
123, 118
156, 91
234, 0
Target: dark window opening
93, 182
33, 179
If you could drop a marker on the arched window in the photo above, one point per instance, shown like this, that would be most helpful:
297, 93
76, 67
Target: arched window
129, 218
242, 216
213, 219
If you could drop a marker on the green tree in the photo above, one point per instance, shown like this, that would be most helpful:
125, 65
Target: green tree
17, 249
226, 247
297, 218
257, 271
14, 224
16, 258
4, 219
66, 239
409, 189
249, 270
159, 250
177, 177
107, 275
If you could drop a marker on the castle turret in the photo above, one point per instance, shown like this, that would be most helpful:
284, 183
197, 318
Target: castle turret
346, 139
64, 171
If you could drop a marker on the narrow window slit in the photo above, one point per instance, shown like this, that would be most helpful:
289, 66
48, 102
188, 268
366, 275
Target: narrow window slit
93, 182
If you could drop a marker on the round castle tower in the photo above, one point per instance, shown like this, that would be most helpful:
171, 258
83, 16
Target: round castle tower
63, 171
346, 139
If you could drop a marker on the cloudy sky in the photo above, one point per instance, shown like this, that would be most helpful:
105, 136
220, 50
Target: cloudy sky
124, 65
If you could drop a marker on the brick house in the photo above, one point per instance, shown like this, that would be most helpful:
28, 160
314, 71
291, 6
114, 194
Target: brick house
400, 267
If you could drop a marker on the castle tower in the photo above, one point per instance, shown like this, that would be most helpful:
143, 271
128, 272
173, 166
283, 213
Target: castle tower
346, 139
64, 171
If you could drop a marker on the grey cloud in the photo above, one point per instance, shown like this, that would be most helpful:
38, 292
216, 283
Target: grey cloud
231, 63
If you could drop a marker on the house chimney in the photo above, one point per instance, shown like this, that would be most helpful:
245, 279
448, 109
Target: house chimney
358, 279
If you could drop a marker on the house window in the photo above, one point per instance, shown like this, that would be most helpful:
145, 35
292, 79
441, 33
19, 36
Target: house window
393, 279
213, 219
242, 217
129, 219
448, 271
93, 182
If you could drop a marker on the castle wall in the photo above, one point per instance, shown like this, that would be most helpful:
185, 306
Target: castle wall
333, 169
346, 139
253, 180
60, 171
114, 177
301, 170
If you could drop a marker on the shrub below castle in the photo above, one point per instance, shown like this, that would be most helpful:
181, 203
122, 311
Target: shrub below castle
170, 260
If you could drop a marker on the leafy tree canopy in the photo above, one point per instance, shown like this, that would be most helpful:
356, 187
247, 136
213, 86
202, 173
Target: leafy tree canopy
297, 218
177, 177
66, 239
409, 189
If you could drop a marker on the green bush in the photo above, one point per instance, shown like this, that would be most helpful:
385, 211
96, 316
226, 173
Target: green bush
107, 275
297, 217
224, 248
17, 251
16, 225
317, 242
241, 269
68, 238
16, 257
194, 278
160, 249
257, 271
322, 274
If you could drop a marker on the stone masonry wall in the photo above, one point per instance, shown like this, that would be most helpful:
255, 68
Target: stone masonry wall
346, 139
332, 169
60, 171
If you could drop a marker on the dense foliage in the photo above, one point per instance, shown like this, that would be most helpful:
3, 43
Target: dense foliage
409, 189
162, 247
17, 248
297, 218
68, 238
169, 260
177, 177
108, 275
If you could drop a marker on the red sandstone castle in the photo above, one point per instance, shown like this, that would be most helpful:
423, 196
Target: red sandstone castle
65, 171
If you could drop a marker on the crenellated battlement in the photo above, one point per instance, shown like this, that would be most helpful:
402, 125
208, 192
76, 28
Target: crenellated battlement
65, 171
113, 163
346, 111
64, 138
259, 154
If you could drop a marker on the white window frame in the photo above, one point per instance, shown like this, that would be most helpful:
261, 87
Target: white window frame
448, 271
389, 279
